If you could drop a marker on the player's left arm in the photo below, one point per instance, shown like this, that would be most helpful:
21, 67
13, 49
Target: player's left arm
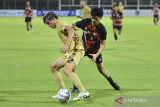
71, 32
102, 43
102, 46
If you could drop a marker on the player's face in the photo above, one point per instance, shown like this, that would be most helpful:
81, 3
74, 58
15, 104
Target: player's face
95, 20
115, 8
51, 23
82, 3
27, 3
120, 3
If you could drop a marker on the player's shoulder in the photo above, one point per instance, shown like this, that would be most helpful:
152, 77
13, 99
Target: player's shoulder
86, 9
86, 20
101, 27
64, 26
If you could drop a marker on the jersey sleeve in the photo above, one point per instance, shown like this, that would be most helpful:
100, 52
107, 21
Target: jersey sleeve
63, 28
81, 24
103, 32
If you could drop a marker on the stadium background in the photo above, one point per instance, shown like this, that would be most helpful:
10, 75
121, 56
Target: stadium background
25, 77
69, 7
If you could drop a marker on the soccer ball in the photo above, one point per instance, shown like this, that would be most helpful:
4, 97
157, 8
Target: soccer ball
64, 95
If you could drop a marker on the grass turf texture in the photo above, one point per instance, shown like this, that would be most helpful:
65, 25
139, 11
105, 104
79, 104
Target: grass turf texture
26, 80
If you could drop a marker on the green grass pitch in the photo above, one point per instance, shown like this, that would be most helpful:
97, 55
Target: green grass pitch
26, 80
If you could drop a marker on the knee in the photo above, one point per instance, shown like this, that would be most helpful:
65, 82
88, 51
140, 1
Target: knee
67, 70
53, 68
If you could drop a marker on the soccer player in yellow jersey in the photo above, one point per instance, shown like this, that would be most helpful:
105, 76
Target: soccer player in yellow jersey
121, 7
73, 52
85, 10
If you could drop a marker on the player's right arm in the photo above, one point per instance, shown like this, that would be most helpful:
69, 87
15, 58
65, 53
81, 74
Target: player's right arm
70, 32
82, 23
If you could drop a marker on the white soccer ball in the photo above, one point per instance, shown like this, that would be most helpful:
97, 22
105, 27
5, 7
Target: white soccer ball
64, 95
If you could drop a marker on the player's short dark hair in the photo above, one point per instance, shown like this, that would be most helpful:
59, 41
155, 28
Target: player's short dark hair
96, 11
49, 16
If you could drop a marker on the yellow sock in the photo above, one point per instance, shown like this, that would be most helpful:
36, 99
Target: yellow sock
59, 79
76, 81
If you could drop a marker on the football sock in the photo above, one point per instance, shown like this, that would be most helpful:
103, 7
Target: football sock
59, 79
76, 81
110, 80
113, 84
74, 87
115, 37
30, 26
27, 29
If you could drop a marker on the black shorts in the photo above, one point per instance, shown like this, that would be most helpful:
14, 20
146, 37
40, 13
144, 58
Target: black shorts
98, 60
28, 19
117, 27
156, 16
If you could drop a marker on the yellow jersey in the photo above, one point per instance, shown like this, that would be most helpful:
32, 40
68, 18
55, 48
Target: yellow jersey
121, 8
76, 42
86, 11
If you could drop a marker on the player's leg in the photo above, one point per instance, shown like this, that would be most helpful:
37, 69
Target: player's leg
59, 63
105, 73
115, 34
30, 23
74, 89
27, 23
157, 19
68, 69
73, 61
27, 26
119, 29
154, 19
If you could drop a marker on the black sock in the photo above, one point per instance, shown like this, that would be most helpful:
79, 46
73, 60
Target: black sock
30, 26
27, 29
115, 37
113, 84
110, 80
74, 87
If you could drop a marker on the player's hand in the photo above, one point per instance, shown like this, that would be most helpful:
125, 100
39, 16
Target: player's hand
64, 49
94, 57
